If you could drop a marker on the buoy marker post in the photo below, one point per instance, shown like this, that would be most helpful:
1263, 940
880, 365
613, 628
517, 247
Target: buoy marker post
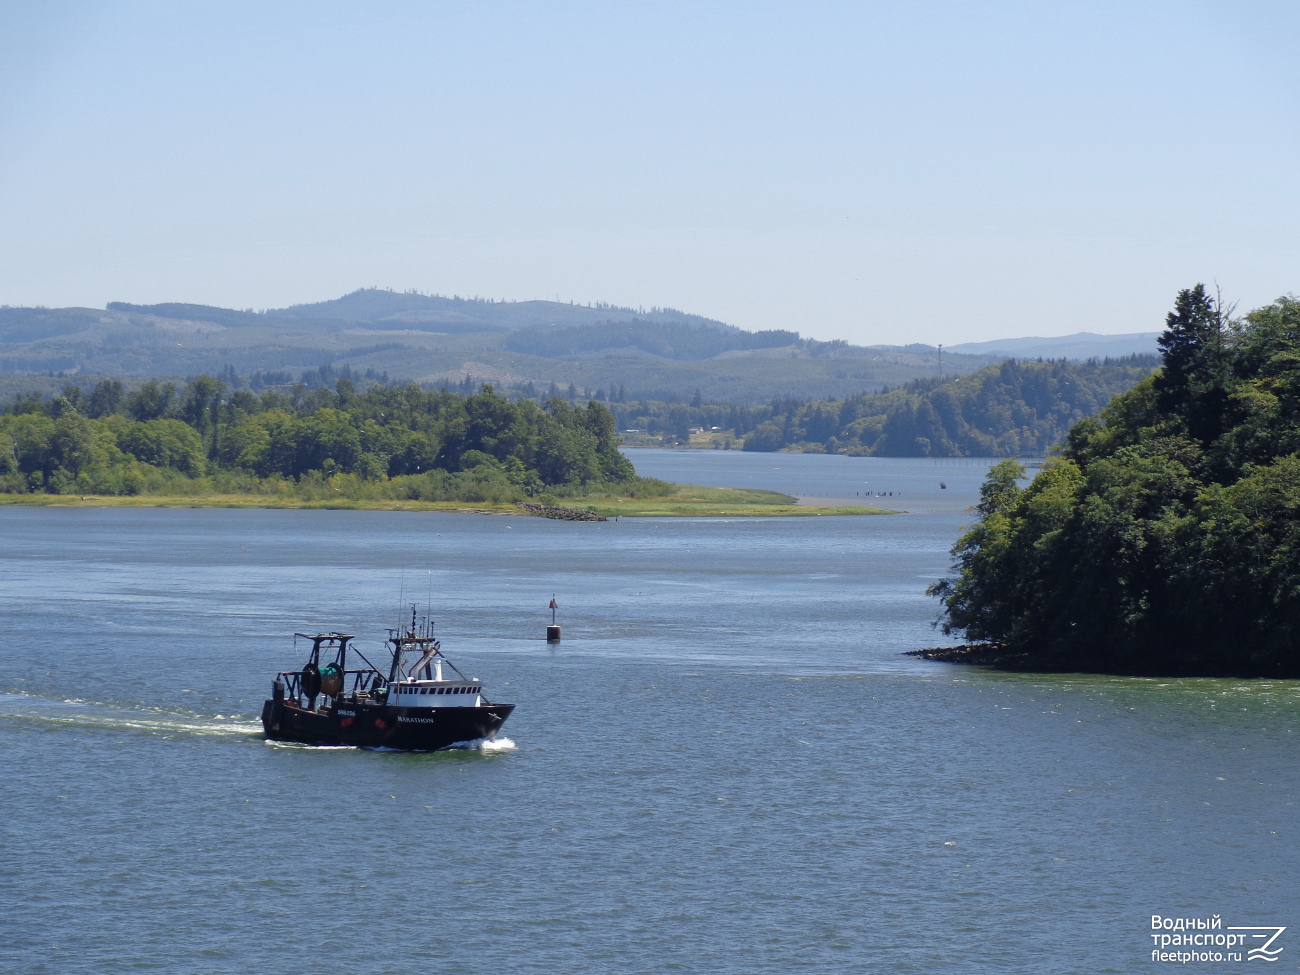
553, 631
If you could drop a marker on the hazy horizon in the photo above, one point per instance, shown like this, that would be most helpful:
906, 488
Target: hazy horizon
882, 175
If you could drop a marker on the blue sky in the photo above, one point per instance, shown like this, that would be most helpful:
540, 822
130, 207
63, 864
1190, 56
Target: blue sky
873, 172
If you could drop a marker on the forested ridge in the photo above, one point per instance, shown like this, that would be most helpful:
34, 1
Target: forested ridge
395, 442
671, 340
653, 353
1165, 539
999, 411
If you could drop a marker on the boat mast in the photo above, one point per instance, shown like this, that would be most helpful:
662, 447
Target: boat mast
396, 641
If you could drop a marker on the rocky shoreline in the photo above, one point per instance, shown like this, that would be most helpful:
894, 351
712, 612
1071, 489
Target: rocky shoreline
978, 654
561, 514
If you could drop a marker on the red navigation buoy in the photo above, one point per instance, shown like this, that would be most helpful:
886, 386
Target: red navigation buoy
553, 631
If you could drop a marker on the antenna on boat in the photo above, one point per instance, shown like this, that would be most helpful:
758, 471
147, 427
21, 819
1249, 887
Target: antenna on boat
401, 600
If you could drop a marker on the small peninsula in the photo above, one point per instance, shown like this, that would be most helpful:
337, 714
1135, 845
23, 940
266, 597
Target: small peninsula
1165, 538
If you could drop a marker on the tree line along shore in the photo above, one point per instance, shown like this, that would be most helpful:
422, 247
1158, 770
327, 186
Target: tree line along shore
384, 447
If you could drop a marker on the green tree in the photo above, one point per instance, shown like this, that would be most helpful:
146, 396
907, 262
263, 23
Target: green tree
1193, 380
31, 435
105, 399
72, 445
151, 401
201, 406
164, 443
600, 424
326, 435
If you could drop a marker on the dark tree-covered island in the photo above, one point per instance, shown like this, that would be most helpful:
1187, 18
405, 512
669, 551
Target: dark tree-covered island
1165, 538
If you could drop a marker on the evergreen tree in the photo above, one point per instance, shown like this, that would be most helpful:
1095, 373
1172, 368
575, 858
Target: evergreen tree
105, 398
1193, 378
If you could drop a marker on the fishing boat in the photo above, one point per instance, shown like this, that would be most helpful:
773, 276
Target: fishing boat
416, 706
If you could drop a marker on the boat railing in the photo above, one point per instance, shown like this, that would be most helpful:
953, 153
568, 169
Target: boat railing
361, 681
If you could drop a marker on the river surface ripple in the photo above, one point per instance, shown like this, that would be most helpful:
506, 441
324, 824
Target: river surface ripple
727, 765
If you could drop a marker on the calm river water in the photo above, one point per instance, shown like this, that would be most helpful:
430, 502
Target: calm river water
727, 765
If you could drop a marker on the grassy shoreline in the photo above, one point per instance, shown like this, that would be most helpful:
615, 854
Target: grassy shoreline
691, 501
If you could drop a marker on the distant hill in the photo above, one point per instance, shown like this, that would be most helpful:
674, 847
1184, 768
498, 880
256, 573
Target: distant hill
652, 354
655, 353
1077, 347
20, 325
226, 317
455, 315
